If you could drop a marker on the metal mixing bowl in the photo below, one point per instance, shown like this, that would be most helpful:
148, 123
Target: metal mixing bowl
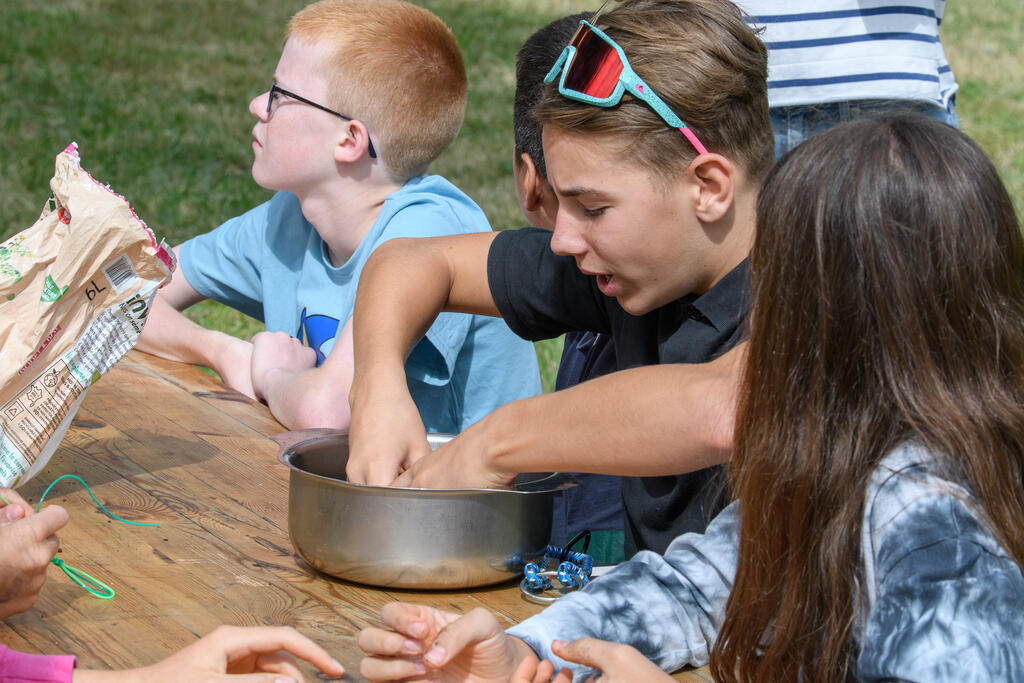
409, 538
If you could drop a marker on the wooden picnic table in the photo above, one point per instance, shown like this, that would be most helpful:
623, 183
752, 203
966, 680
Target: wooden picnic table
164, 442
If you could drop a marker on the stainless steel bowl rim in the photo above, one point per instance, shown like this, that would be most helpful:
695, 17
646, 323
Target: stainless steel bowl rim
285, 455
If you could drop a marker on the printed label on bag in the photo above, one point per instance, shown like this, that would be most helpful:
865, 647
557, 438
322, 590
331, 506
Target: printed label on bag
30, 418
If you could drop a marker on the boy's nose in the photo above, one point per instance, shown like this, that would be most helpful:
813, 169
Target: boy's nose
566, 239
258, 106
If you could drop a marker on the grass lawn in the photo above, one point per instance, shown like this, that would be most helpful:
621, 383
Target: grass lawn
156, 95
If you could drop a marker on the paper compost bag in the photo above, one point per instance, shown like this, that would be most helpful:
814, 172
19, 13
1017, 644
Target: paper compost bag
75, 289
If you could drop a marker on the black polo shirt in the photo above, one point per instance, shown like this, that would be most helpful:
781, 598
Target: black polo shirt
542, 295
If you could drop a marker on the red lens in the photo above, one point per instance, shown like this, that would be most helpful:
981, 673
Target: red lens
595, 68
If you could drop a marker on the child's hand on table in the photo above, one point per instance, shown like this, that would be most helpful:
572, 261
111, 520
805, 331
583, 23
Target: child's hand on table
251, 654
424, 642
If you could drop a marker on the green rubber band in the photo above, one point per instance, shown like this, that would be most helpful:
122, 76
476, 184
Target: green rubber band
89, 491
84, 580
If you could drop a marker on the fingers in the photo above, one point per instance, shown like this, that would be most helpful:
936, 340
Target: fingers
280, 663
475, 626
416, 474
415, 621
395, 652
403, 480
256, 678
42, 533
532, 671
376, 471
33, 539
379, 641
238, 643
392, 668
13, 512
380, 473
48, 521
587, 651
16, 507
616, 661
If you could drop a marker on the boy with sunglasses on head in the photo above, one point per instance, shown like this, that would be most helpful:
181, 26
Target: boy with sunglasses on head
655, 217
594, 504
366, 94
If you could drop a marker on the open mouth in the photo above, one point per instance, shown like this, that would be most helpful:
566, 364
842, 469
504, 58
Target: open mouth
607, 284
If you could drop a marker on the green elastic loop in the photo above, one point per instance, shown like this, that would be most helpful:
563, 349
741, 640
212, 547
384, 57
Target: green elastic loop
89, 583
89, 491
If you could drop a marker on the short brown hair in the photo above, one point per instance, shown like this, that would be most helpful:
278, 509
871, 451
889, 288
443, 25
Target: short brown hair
709, 67
395, 67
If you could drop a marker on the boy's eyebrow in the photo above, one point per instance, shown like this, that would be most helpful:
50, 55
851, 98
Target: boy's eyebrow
579, 191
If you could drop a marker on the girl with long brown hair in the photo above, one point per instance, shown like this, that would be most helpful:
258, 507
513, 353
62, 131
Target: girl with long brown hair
879, 450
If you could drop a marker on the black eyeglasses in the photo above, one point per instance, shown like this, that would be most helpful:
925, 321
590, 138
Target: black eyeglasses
275, 89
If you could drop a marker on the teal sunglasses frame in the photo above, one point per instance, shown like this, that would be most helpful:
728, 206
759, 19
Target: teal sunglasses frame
628, 79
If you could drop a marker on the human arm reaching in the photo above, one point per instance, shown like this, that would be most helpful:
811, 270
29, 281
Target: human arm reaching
171, 335
230, 653
679, 417
393, 310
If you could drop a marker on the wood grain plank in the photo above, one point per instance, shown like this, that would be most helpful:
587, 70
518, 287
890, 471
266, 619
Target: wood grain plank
166, 443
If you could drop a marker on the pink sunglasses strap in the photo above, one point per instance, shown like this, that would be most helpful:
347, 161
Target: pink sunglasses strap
701, 149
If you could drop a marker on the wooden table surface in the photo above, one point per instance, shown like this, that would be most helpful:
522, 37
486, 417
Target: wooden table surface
163, 442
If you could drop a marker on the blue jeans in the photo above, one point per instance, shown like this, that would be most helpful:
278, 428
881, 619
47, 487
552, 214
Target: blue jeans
793, 125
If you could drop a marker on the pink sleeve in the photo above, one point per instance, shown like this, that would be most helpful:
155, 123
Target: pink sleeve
18, 667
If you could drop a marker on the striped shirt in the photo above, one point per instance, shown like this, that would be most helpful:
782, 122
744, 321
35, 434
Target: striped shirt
843, 50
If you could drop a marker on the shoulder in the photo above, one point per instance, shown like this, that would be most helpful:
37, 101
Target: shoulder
943, 597
533, 240
282, 212
523, 256
427, 206
913, 503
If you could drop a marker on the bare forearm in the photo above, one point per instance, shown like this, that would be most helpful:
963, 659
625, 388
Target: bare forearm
93, 676
402, 289
404, 286
650, 421
304, 400
169, 334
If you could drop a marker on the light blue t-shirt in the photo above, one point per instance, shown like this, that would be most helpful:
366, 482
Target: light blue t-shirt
271, 264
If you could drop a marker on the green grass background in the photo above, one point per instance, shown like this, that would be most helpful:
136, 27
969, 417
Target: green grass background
156, 94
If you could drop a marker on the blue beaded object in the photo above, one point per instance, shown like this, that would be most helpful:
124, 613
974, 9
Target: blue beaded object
573, 570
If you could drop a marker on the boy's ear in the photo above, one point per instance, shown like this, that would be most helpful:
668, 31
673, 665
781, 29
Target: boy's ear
715, 186
530, 184
536, 198
353, 143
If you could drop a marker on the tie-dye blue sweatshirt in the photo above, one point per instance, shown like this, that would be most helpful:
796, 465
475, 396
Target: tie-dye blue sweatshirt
943, 601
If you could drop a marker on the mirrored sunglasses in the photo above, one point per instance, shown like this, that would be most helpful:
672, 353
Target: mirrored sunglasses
594, 70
